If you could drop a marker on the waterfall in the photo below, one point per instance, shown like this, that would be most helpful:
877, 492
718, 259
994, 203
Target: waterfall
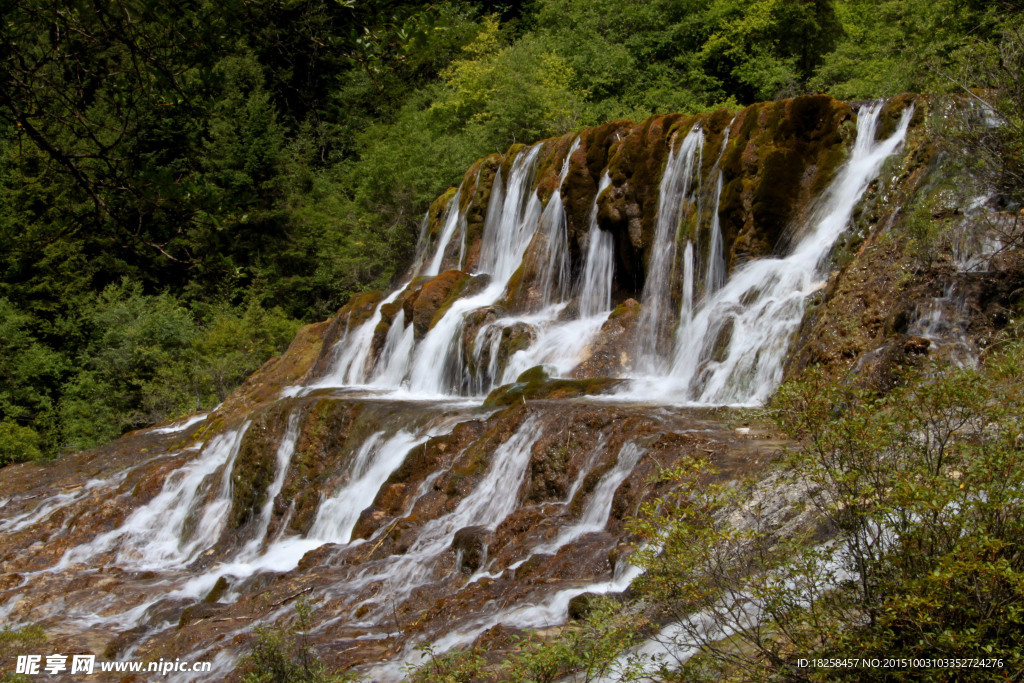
282, 460
508, 231
352, 353
396, 356
555, 279
686, 312
676, 196
715, 272
379, 470
715, 276
372, 464
734, 349
511, 222
452, 221
596, 284
421, 244
723, 341
184, 519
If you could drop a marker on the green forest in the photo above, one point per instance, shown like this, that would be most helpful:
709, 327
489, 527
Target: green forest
182, 185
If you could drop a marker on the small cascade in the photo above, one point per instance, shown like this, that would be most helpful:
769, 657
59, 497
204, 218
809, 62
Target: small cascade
686, 310
372, 464
421, 245
453, 219
396, 357
490, 502
715, 270
184, 519
353, 353
677, 195
599, 505
596, 285
715, 275
439, 368
734, 349
508, 230
558, 345
556, 278
943, 321
282, 461
979, 235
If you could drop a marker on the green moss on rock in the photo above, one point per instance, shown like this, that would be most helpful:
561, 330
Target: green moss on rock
255, 464
537, 389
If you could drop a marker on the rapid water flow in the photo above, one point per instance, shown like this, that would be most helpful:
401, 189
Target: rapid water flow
733, 350
677, 197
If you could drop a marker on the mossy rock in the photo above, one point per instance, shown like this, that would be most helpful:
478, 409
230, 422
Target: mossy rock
627, 307
471, 542
200, 611
423, 306
517, 392
538, 373
476, 203
435, 214
892, 112
219, 589
255, 464
360, 307
780, 156
549, 165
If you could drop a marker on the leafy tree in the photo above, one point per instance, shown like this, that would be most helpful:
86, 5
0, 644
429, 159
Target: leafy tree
768, 48
131, 338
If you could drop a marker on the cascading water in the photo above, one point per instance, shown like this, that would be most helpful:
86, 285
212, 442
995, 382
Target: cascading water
715, 276
678, 191
183, 520
686, 312
373, 497
596, 285
715, 273
733, 350
556, 279
373, 463
452, 221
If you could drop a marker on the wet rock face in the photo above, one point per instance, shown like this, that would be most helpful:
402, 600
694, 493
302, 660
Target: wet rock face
358, 589
471, 545
611, 353
781, 154
425, 306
